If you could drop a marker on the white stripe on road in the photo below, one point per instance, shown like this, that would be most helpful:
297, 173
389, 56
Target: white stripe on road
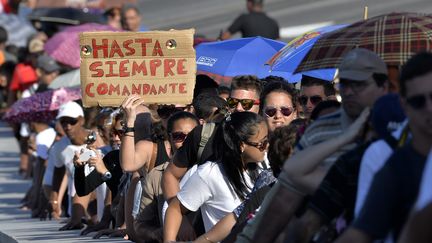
294, 31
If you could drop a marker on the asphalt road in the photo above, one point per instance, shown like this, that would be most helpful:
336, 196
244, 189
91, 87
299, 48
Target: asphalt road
15, 224
209, 17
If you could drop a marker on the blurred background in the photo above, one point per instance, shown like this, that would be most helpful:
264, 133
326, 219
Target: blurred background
295, 17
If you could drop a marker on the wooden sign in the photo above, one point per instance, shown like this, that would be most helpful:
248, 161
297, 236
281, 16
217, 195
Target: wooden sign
158, 65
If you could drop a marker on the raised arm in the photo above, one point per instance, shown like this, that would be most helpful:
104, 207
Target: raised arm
133, 156
303, 167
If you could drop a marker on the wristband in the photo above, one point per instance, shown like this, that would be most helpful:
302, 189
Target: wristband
128, 129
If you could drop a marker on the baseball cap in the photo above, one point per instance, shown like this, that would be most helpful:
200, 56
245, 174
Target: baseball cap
47, 63
387, 115
36, 45
359, 64
70, 109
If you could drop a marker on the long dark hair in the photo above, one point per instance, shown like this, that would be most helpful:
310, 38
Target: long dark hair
230, 134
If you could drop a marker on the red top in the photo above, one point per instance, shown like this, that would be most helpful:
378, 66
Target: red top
23, 77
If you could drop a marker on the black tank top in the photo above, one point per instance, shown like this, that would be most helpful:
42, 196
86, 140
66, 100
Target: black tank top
161, 155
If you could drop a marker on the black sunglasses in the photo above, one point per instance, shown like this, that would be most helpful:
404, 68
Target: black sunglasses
355, 86
418, 102
178, 137
271, 111
313, 99
68, 121
245, 103
116, 132
262, 146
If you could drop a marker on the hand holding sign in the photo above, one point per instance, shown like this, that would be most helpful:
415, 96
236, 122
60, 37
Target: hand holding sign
129, 106
156, 65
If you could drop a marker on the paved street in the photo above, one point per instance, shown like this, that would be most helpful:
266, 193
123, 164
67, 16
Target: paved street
209, 17
16, 223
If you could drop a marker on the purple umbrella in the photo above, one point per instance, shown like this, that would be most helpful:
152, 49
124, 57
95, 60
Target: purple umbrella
64, 46
41, 106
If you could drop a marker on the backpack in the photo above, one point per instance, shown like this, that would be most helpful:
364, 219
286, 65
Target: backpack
206, 133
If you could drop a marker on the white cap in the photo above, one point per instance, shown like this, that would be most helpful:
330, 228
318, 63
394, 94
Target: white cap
70, 109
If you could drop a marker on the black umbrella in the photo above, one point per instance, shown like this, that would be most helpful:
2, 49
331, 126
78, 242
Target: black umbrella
50, 20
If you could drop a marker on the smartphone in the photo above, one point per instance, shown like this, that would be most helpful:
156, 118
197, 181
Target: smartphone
86, 154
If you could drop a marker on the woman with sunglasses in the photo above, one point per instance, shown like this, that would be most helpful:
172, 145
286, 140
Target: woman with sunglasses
107, 169
277, 104
149, 219
217, 187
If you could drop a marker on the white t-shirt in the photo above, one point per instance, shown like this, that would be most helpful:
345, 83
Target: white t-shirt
425, 193
57, 150
25, 128
44, 140
373, 160
67, 156
209, 189
55, 159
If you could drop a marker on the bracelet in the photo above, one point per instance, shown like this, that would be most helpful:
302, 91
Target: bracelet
129, 135
54, 202
207, 239
128, 129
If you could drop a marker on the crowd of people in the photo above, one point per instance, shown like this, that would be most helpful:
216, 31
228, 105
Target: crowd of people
260, 161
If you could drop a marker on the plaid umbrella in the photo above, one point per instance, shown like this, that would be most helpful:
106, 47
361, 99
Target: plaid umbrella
395, 37
41, 106
64, 46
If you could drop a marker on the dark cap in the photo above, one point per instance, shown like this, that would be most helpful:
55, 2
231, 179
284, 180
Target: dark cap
47, 63
360, 64
387, 115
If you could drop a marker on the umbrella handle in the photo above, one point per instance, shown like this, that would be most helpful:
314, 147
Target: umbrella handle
365, 13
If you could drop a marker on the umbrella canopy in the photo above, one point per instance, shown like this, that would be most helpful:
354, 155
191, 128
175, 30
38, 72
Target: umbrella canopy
18, 29
64, 46
395, 37
289, 57
41, 106
104, 4
69, 79
223, 60
65, 15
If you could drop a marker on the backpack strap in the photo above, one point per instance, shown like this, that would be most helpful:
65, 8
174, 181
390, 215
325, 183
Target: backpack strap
206, 132
391, 141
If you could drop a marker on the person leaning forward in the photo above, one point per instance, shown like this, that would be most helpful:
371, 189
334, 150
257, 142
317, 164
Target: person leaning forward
363, 79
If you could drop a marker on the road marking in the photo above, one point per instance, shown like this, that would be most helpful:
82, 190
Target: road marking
294, 31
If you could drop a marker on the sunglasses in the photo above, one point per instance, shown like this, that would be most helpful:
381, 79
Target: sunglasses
116, 132
262, 146
271, 111
313, 99
355, 86
68, 121
166, 111
178, 137
418, 102
245, 103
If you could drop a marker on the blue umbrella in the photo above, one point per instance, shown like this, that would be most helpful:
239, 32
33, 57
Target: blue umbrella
246, 56
289, 57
